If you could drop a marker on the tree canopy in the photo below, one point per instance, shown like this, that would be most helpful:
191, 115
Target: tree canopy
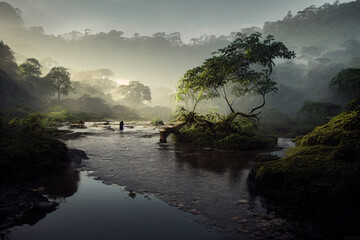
347, 83
7, 60
135, 93
61, 80
243, 67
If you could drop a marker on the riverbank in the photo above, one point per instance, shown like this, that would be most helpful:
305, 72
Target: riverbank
319, 180
25, 203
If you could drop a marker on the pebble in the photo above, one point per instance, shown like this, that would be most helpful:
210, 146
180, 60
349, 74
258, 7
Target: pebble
243, 201
243, 220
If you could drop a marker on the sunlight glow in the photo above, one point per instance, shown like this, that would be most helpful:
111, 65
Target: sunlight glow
122, 81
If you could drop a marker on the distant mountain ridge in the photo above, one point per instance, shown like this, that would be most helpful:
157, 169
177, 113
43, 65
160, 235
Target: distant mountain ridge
329, 24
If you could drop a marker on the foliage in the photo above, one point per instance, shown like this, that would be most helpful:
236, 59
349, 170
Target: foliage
328, 24
243, 67
7, 60
157, 121
272, 121
61, 79
321, 171
30, 79
135, 93
317, 113
228, 132
57, 115
30, 70
347, 83
28, 149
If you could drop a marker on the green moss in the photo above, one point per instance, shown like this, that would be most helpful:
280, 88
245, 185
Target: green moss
319, 173
223, 132
340, 129
157, 121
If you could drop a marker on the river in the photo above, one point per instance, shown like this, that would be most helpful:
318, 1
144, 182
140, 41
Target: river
167, 192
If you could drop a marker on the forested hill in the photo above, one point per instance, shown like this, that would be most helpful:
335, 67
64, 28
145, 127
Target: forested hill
11, 95
162, 58
327, 25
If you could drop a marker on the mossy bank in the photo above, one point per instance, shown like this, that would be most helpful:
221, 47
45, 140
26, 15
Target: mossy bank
319, 180
225, 132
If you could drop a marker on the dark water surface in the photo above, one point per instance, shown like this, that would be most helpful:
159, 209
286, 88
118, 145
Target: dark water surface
208, 182
97, 211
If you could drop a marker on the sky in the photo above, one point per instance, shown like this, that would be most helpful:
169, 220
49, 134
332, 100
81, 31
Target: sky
191, 18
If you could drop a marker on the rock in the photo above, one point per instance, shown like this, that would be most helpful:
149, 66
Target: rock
242, 229
243, 201
243, 220
235, 218
46, 206
76, 155
39, 189
194, 211
180, 206
257, 233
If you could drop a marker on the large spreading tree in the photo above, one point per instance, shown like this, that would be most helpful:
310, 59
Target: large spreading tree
242, 68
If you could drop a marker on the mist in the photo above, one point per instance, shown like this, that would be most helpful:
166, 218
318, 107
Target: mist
202, 111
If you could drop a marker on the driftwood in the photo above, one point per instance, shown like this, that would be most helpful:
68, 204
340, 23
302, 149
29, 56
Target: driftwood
168, 129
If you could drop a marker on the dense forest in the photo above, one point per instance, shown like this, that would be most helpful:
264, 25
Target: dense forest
298, 78
159, 61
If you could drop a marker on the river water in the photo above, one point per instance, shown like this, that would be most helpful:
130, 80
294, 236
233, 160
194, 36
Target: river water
204, 193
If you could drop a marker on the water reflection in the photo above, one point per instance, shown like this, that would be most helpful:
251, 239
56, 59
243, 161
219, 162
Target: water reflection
99, 211
208, 180
61, 184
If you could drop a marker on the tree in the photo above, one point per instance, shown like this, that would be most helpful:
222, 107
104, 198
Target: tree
347, 83
30, 79
135, 93
243, 67
30, 70
61, 80
317, 113
190, 94
7, 60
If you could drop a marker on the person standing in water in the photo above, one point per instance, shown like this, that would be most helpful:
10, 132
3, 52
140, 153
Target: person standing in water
121, 125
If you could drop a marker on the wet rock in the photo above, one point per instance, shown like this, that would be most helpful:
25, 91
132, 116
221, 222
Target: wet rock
194, 211
243, 201
242, 220
242, 229
257, 233
39, 189
76, 155
46, 206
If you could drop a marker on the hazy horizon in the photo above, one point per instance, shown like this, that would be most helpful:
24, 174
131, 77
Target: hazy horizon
190, 18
